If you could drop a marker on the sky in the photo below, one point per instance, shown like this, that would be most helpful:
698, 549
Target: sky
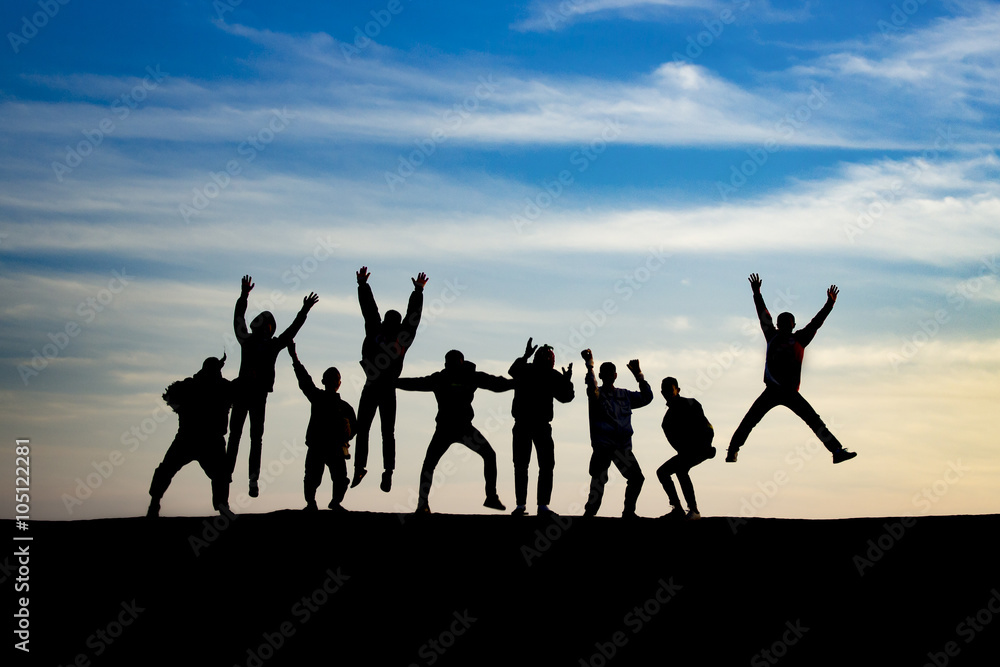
598, 174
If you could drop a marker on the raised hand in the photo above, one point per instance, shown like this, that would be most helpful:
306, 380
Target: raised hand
529, 349
363, 275
247, 284
832, 293
568, 371
755, 283
587, 356
309, 301
420, 280
634, 367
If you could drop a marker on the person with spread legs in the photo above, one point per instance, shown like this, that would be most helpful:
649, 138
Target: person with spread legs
783, 373
454, 388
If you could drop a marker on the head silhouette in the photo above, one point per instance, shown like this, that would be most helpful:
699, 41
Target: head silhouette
331, 379
213, 366
392, 319
264, 324
669, 388
608, 373
786, 322
545, 356
454, 360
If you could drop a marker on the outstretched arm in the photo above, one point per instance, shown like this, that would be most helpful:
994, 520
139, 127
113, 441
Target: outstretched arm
239, 314
809, 330
425, 383
644, 396
521, 362
414, 307
306, 383
496, 383
307, 303
590, 381
369, 310
766, 323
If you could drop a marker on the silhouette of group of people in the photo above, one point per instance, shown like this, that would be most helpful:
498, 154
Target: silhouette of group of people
204, 401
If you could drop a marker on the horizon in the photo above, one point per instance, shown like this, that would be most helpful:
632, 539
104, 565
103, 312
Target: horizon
588, 174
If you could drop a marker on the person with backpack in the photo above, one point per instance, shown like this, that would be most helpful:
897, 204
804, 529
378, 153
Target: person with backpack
202, 404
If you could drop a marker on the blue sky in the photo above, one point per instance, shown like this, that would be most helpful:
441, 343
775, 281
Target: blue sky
589, 173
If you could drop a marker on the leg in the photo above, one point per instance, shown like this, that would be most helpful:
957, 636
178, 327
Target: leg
313, 475
367, 405
338, 475
625, 461
237, 418
387, 413
600, 461
475, 441
178, 455
546, 462
663, 473
258, 407
439, 444
800, 406
767, 400
213, 461
521, 448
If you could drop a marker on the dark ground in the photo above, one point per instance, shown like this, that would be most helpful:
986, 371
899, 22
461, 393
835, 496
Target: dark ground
290, 588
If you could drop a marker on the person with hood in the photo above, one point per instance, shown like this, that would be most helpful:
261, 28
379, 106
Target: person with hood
259, 351
202, 404
610, 412
385, 345
690, 434
454, 388
536, 385
783, 374
331, 426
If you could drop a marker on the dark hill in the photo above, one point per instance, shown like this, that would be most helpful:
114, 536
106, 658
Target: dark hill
291, 588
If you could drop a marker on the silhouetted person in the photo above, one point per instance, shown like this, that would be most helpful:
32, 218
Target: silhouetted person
382, 352
783, 373
690, 433
535, 386
454, 388
331, 426
259, 349
202, 404
610, 411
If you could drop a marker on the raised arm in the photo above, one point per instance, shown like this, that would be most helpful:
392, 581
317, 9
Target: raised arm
766, 322
300, 318
306, 383
643, 397
240, 312
369, 310
589, 380
809, 330
522, 362
415, 306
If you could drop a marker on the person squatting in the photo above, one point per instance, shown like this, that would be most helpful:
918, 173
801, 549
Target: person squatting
203, 403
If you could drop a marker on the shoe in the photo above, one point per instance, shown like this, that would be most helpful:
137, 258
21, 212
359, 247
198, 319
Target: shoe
731, 455
336, 507
154, 510
223, 509
359, 474
493, 502
843, 455
629, 514
693, 515
674, 514
543, 510
589, 512
254, 489
422, 510
520, 510
311, 507
386, 484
